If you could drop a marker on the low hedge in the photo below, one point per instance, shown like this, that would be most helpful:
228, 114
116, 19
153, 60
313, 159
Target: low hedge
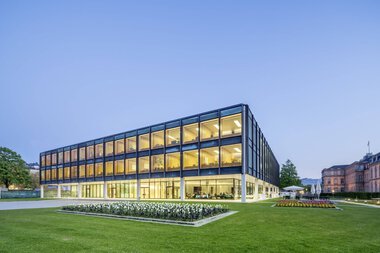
352, 195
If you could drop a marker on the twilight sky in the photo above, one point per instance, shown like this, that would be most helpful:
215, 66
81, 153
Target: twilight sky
71, 71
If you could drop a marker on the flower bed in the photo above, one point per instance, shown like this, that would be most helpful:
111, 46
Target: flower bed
306, 203
156, 210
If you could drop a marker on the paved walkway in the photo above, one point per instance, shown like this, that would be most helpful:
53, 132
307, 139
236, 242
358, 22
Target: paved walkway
12, 205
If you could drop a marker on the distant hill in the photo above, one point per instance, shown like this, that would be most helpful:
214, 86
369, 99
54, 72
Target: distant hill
310, 181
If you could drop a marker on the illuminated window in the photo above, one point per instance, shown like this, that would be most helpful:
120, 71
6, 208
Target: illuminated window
74, 155
190, 133
209, 129
99, 150
98, 169
172, 136
74, 172
119, 147
89, 170
54, 159
157, 163
48, 160
130, 165
119, 167
190, 160
109, 168
143, 142
144, 164
60, 173
209, 158
109, 148
173, 161
158, 139
231, 155
54, 174
231, 125
131, 144
67, 156
47, 175
82, 171
82, 154
43, 161
90, 152
66, 173
60, 157
42, 175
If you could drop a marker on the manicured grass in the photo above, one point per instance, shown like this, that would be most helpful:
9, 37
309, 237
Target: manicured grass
257, 227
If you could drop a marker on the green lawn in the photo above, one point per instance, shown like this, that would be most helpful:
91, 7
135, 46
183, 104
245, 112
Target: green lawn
256, 227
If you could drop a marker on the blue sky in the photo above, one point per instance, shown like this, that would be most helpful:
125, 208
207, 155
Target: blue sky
71, 71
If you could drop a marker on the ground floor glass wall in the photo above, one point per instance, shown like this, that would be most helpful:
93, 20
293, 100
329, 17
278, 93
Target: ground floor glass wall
126, 190
50, 191
69, 191
160, 189
213, 189
92, 190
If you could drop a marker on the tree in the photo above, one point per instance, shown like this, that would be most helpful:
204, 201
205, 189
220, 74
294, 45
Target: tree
13, 169
289, 175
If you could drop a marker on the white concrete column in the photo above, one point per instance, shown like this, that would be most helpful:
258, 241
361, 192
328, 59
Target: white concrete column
59, 191
182, 189
105, 190
256, 194
243, 188
79, 191
42, 191
138, 189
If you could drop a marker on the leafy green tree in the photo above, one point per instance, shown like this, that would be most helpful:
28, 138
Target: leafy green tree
289, 175
13, 169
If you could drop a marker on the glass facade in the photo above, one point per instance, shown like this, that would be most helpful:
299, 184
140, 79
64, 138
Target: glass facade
109, 148
131, 144
90, 152
158, 164
109, 168
130, 166
92, 190
210, 158
99, 150
126, 190
190, 133
213, 189
160, 189
144, 142
119, 167
190, 160
231, 125
144, 164
98, 169
82, 154
119, 147
172, 136
173, 161
211, 143
209, 130
158, 139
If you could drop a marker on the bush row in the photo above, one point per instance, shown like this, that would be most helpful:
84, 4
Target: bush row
157, 210
353, 195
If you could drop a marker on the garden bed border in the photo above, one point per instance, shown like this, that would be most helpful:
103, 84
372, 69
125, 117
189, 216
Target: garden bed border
197, 223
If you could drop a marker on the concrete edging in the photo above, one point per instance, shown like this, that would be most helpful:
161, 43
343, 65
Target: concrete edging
198, 223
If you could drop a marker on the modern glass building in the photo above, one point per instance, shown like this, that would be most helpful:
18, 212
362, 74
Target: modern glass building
220, 154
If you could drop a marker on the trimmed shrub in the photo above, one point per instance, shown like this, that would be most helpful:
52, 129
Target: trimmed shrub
157, 210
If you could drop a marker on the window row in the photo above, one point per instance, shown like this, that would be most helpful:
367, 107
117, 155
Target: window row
209, 158
209, 130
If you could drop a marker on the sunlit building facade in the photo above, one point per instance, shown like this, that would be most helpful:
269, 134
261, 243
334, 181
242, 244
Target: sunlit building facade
220, 154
